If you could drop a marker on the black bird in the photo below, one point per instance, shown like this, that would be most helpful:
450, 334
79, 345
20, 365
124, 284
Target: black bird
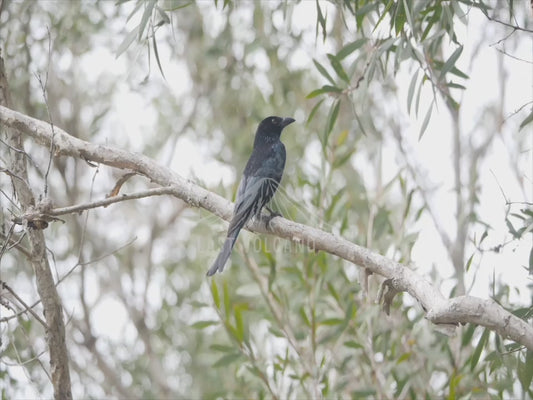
260, 181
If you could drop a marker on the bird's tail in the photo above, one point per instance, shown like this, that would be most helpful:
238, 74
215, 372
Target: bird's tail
241, 216
223, 256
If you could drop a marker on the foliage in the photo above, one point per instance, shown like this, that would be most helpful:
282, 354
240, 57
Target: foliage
282, 321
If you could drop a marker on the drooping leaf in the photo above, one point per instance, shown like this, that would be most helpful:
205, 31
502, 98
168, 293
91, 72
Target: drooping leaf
227, 359
324, 72
128, 40
203, 324
324, 89
411, 91
149, 6
313, 112
479, 348
337, 66
525, 370
214, 293
350, 48
450, 63
426, 121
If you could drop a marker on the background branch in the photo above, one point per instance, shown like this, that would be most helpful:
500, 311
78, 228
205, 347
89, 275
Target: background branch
465, 308
53, 310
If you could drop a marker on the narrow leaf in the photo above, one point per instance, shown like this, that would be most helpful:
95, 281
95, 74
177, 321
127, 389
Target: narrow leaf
350, 48
146, 16
337, 66
323, 72
324, 89
450, 63
227, 359
203, 324
130, 37
156, 53
479, 348
426, 121
225, 294
525, 371
353, 345
411, 91
313, 112
214, 293
332, 118
321, 21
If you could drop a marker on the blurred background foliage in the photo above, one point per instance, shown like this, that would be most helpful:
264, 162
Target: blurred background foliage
186, 83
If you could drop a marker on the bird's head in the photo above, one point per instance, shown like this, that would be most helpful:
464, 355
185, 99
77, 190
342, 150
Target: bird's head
271, 127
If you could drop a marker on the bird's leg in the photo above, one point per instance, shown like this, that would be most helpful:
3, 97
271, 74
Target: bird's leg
272, 215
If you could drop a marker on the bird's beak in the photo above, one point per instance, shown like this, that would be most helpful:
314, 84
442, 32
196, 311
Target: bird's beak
287, 121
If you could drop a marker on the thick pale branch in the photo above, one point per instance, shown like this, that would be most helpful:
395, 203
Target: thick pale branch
401, 278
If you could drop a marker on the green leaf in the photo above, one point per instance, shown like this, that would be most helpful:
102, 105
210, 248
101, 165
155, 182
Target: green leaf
332, 118
455, 85
323, 72
399, 18
156, 53
203, 324
404, 357
332, 321
426, 121
321, 21
479, 348
525, 371
469, 262
450, 63
411, 91
149, 6
418, 94
385, 11
313, 112
409, 18
408, 205
239, 324
322, 90
527, 120
337, 66
214, 293
130, 37
225, 293
226, 360
222, 348
350, 48
385, 46
511, 228
342, 137
333, 292
353, 345
467, 335
304, 316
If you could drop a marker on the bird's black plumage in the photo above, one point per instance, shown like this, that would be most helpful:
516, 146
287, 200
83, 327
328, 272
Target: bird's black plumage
260, 181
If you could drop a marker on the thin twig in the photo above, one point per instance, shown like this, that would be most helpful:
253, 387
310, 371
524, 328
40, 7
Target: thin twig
5, 286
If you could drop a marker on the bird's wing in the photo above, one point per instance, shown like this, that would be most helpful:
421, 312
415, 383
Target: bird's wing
249, 196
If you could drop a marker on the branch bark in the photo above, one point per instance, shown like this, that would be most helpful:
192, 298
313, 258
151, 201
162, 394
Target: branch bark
439, 310
53, 310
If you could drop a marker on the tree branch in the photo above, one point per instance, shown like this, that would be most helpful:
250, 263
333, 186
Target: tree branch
53, 310
439, 310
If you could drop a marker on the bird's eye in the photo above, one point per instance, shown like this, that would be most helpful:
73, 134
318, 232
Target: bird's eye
275, 121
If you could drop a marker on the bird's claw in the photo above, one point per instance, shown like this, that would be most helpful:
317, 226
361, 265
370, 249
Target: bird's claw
268, 218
